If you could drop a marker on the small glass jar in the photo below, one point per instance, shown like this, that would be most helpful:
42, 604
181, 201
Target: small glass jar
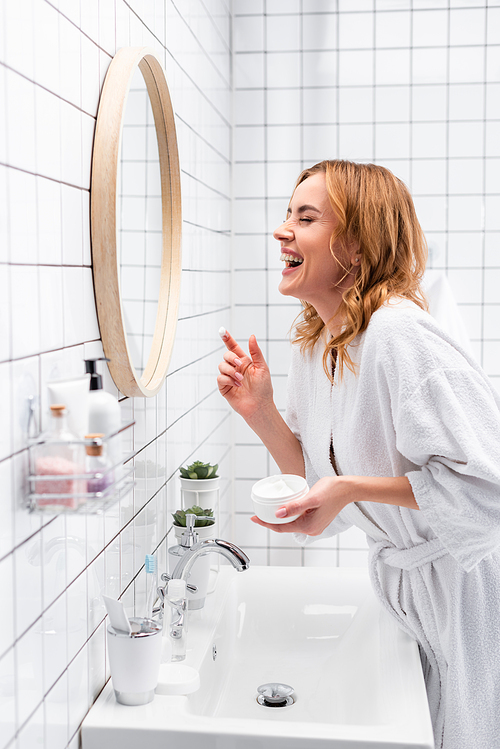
98, 467
59, 458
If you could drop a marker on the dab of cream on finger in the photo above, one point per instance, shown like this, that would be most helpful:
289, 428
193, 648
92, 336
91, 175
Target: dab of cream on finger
223, 333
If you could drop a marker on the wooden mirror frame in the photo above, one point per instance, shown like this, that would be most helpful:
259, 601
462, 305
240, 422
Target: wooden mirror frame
103, 203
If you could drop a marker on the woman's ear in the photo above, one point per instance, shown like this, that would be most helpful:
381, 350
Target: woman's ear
354, 252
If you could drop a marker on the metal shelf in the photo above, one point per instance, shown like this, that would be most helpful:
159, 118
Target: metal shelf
80, 502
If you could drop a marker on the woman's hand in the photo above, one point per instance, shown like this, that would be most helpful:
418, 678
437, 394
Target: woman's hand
317, 509
331, 494
244, 381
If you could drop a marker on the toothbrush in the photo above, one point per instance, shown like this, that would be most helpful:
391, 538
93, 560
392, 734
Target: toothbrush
151, 583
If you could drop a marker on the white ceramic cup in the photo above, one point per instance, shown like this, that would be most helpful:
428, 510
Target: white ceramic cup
265, 503
134, 661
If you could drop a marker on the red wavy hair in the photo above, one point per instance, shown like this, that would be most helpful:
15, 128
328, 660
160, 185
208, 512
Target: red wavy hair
375, 210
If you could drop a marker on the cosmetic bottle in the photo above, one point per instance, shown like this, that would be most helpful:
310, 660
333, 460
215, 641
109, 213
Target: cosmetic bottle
176, 618
97, 465
104, 411
74, 393
59, 457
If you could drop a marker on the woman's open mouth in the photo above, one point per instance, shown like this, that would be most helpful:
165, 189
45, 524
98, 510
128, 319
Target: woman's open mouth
292, 261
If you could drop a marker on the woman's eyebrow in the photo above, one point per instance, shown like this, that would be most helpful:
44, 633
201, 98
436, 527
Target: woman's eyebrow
304, 208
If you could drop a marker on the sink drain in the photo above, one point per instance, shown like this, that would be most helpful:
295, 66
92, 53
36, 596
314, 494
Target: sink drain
275, 694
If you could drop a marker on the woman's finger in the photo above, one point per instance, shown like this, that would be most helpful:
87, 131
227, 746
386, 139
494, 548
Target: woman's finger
225, 383
301, 525
230, 357
256, 352
277, 527
231, 344
297, 507
228, 371
307, 523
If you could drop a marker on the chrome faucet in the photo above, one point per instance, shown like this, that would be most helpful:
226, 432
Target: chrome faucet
188, 551
230, 551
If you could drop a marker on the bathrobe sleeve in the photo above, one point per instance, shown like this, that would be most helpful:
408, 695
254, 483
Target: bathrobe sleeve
452, 428
447, 422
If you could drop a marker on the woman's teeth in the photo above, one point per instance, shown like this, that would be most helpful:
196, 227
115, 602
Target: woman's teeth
292, 261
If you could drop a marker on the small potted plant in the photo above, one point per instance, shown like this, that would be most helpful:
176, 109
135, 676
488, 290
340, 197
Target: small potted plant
199, 485
199, 471
199, 490
205, 527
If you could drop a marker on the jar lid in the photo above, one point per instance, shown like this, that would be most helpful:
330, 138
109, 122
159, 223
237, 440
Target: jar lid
95, 447
58, 409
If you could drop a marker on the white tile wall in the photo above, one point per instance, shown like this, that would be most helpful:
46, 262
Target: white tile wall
414, 86
53, 59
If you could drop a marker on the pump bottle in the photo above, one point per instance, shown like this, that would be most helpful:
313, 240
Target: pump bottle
104, 410
177, 618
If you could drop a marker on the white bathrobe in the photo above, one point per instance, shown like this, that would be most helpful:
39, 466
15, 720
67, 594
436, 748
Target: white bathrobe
420, 407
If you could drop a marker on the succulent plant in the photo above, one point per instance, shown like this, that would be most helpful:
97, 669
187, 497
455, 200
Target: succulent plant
199, 470
200, 522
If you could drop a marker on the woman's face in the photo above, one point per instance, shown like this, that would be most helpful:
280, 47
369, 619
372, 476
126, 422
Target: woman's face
311, 272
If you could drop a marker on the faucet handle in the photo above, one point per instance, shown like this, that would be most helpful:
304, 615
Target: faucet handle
166, 577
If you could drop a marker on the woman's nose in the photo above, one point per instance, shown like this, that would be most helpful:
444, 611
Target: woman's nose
283, 232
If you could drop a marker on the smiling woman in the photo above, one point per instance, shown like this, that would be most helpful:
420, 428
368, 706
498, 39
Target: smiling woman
402, 442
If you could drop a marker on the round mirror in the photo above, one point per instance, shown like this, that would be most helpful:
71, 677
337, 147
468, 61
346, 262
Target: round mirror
139, 223
136, 222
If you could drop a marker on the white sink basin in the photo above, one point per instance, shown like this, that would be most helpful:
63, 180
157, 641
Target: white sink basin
357, 677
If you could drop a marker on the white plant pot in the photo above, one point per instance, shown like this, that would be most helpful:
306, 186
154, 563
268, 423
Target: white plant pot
208, 531
201, 492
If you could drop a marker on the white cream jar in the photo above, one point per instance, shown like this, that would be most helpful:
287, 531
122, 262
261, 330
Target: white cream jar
271, 493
